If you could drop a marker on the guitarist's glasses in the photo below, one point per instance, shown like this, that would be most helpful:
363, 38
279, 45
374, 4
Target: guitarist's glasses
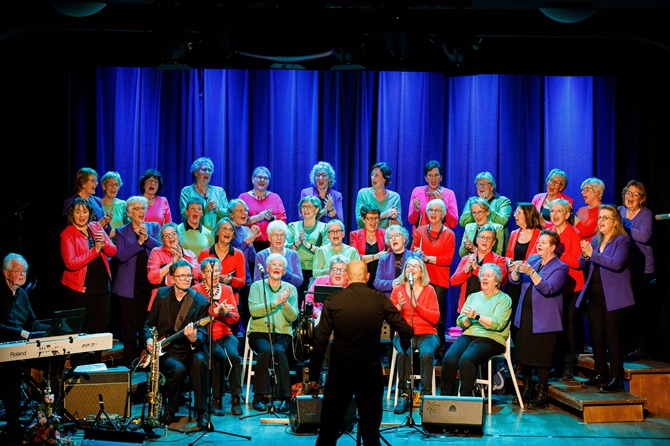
184, 277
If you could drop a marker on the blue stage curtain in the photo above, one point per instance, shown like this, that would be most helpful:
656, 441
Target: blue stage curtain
517, 127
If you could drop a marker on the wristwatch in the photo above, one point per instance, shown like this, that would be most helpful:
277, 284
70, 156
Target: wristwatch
477, 317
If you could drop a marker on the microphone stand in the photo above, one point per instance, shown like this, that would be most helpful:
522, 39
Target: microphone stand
208, 413
272, 371
409, 421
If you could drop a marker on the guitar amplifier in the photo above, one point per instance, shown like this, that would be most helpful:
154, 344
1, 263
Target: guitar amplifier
305, 414
83, 392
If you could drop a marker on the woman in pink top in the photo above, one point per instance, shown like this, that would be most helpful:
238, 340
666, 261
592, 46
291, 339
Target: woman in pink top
151, 183
264, 206
557, 181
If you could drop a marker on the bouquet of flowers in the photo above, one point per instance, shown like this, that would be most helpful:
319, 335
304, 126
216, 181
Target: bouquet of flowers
47, 429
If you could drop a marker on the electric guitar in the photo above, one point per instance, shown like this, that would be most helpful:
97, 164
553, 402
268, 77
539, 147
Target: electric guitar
145, 357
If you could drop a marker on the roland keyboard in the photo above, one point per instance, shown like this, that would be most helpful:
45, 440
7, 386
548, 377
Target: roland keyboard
54, 346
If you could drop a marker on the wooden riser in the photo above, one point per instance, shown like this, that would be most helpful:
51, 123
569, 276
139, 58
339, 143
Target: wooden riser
648, 379
599, 407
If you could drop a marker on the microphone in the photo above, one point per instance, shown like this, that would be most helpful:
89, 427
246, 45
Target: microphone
662, 217
410, 278
261, 269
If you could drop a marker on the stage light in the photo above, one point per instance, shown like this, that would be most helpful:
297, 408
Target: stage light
74, 8
569, 14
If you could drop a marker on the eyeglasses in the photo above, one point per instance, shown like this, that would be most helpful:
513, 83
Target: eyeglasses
275, 265
227, 229
151, 182
204, 169
184, 277
138, 208
277, 235
371, 219
339, 270
394, 236
478, 212
208, 272
307, 206
412, 266
604, 218
556, 211
434, 210
630, 193
485, 238
482, 185
169, 235
335, 231
321, 175
21, 272
555, 183
262, 177
587, 189
108, 184
432, 176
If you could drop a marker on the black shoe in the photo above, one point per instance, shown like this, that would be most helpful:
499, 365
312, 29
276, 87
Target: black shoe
403, 404
167, 418
568, 375
542, 399
283, 407
614, 385
597, 380
217, 408
202, 421
235, 406
259, 405
634, 355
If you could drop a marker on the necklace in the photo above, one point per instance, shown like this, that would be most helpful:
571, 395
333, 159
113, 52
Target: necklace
215, 293
200, 191
273, 289
257, 197
434, 239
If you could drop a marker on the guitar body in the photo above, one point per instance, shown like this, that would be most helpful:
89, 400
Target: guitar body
145, 356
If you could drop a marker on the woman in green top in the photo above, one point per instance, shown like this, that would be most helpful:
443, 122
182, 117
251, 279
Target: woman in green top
273, 305
485, 320
305, 236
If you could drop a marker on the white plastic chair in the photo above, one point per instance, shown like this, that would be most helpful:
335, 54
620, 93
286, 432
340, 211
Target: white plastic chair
489, 381
247, 365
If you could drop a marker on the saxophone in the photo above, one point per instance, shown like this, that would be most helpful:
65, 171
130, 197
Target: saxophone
156, 380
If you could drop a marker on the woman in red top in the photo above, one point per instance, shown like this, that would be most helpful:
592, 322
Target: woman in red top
586, 218
85, 248
225, 351
467, 272
416, 300
521, 245
369, 240
437, 243
569, 251
233, 263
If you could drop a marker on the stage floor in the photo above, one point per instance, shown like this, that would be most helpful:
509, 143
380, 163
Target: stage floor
507, 425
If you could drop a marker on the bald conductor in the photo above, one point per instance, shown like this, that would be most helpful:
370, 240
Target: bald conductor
355, 316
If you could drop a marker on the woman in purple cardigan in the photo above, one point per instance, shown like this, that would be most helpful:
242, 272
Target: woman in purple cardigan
539, 314
606, 293
130, 285
638, 221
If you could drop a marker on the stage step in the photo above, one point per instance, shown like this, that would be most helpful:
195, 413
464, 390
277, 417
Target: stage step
647, 378
598, 407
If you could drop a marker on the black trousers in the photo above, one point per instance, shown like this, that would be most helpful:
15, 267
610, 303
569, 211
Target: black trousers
605, 328
346, 380
175, 366
133, 314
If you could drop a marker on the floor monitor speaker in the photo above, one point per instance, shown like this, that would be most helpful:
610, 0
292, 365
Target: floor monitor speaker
305, 414
456, 414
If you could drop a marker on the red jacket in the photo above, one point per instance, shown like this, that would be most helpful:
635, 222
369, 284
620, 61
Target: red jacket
514, 238
460, 277
222, 323
77, 255
357, 240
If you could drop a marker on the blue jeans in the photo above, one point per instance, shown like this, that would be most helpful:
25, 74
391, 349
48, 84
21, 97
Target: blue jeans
427, 344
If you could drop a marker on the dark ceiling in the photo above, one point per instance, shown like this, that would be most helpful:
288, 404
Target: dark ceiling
453, 37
